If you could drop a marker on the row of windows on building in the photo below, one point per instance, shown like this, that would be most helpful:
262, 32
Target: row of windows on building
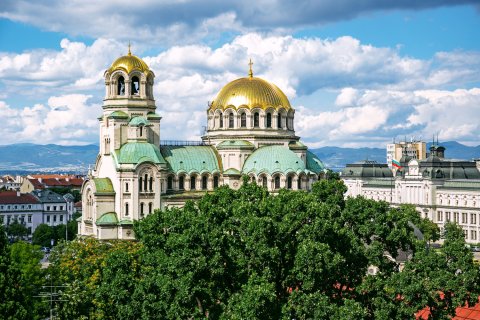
16, 207
456, 202
145, 184
256, 120
455, 217
204, 182
143, 208
53, 218
22, 219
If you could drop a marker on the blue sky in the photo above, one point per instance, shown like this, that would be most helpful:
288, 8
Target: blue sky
358, 73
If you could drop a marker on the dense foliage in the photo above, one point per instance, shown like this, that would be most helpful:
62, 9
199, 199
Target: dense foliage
21, 279
44, 234
249, 255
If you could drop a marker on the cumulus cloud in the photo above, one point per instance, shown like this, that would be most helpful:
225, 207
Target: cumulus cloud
379, 94
187, 21
380, 115
66, 119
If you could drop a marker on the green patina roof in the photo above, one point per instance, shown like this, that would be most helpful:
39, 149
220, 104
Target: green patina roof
191, 159
464, 184
125, 222
138, 121
271, 159
103, 185
153, 116
297, 145
232, 171
138, 152
118, 115
235, 144
314, 164
108, 218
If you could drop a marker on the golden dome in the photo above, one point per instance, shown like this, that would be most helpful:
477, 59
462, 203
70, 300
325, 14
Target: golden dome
129, 63
250, 92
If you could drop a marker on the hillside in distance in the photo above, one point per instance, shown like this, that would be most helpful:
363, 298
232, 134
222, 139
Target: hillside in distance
25, 157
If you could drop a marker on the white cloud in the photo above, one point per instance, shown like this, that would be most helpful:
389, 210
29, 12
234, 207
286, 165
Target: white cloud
381, 94
67, 119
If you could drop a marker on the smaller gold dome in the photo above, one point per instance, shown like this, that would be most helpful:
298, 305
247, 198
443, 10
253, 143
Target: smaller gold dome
250, 92
129, 63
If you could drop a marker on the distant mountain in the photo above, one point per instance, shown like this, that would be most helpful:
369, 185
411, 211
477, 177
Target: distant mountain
336, 158
27, 157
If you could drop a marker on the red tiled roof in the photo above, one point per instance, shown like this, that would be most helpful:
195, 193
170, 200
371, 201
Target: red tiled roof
78, 204
11, 197
461, 313
37, 185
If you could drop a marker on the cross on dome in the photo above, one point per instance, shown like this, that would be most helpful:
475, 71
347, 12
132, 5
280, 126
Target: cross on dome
250, 72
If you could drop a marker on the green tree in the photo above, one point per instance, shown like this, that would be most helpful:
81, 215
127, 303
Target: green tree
43, 235
16, 230
12, 297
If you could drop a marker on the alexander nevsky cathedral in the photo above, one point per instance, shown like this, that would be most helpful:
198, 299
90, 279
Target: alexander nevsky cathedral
250, 131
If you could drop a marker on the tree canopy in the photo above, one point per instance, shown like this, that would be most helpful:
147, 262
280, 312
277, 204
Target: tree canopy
247, 254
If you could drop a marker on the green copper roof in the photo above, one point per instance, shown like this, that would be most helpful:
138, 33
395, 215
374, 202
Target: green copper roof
153, 116
235, 144
271, 159
103, 185
125, 222
314, 164
232, 171
191, 159
138, 152
118, 115
138, 121
108, 218
297, 145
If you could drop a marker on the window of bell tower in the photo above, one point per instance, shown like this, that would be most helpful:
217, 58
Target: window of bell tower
135, 86
121, 86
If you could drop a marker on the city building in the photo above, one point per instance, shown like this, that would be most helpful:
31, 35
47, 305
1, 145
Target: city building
40, 182
8, 182
32, 209
250, 131
415, 149
441, 189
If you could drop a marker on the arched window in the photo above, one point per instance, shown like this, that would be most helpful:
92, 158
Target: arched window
121, 86
264, 181
181, 183
126, 209
141, 209
299, 183
277, 182
141, 131
215, 181
170, 183
145, 181
221, 120
150, 206
150, 184
135, 86
279, 121
204, 183
269, 120
243, 120
140, 184
230, 120
193, 182
126, 187
256, 120
289, 182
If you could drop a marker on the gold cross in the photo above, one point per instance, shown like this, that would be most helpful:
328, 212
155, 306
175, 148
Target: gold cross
129, 53
250, 73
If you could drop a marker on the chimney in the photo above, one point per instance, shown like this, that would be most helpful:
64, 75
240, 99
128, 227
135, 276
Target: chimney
18, 193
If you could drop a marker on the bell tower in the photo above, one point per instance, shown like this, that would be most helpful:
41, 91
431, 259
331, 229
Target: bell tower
129, 106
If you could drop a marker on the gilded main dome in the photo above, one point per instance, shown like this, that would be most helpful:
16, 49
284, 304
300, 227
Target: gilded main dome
250, 92
129, 63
